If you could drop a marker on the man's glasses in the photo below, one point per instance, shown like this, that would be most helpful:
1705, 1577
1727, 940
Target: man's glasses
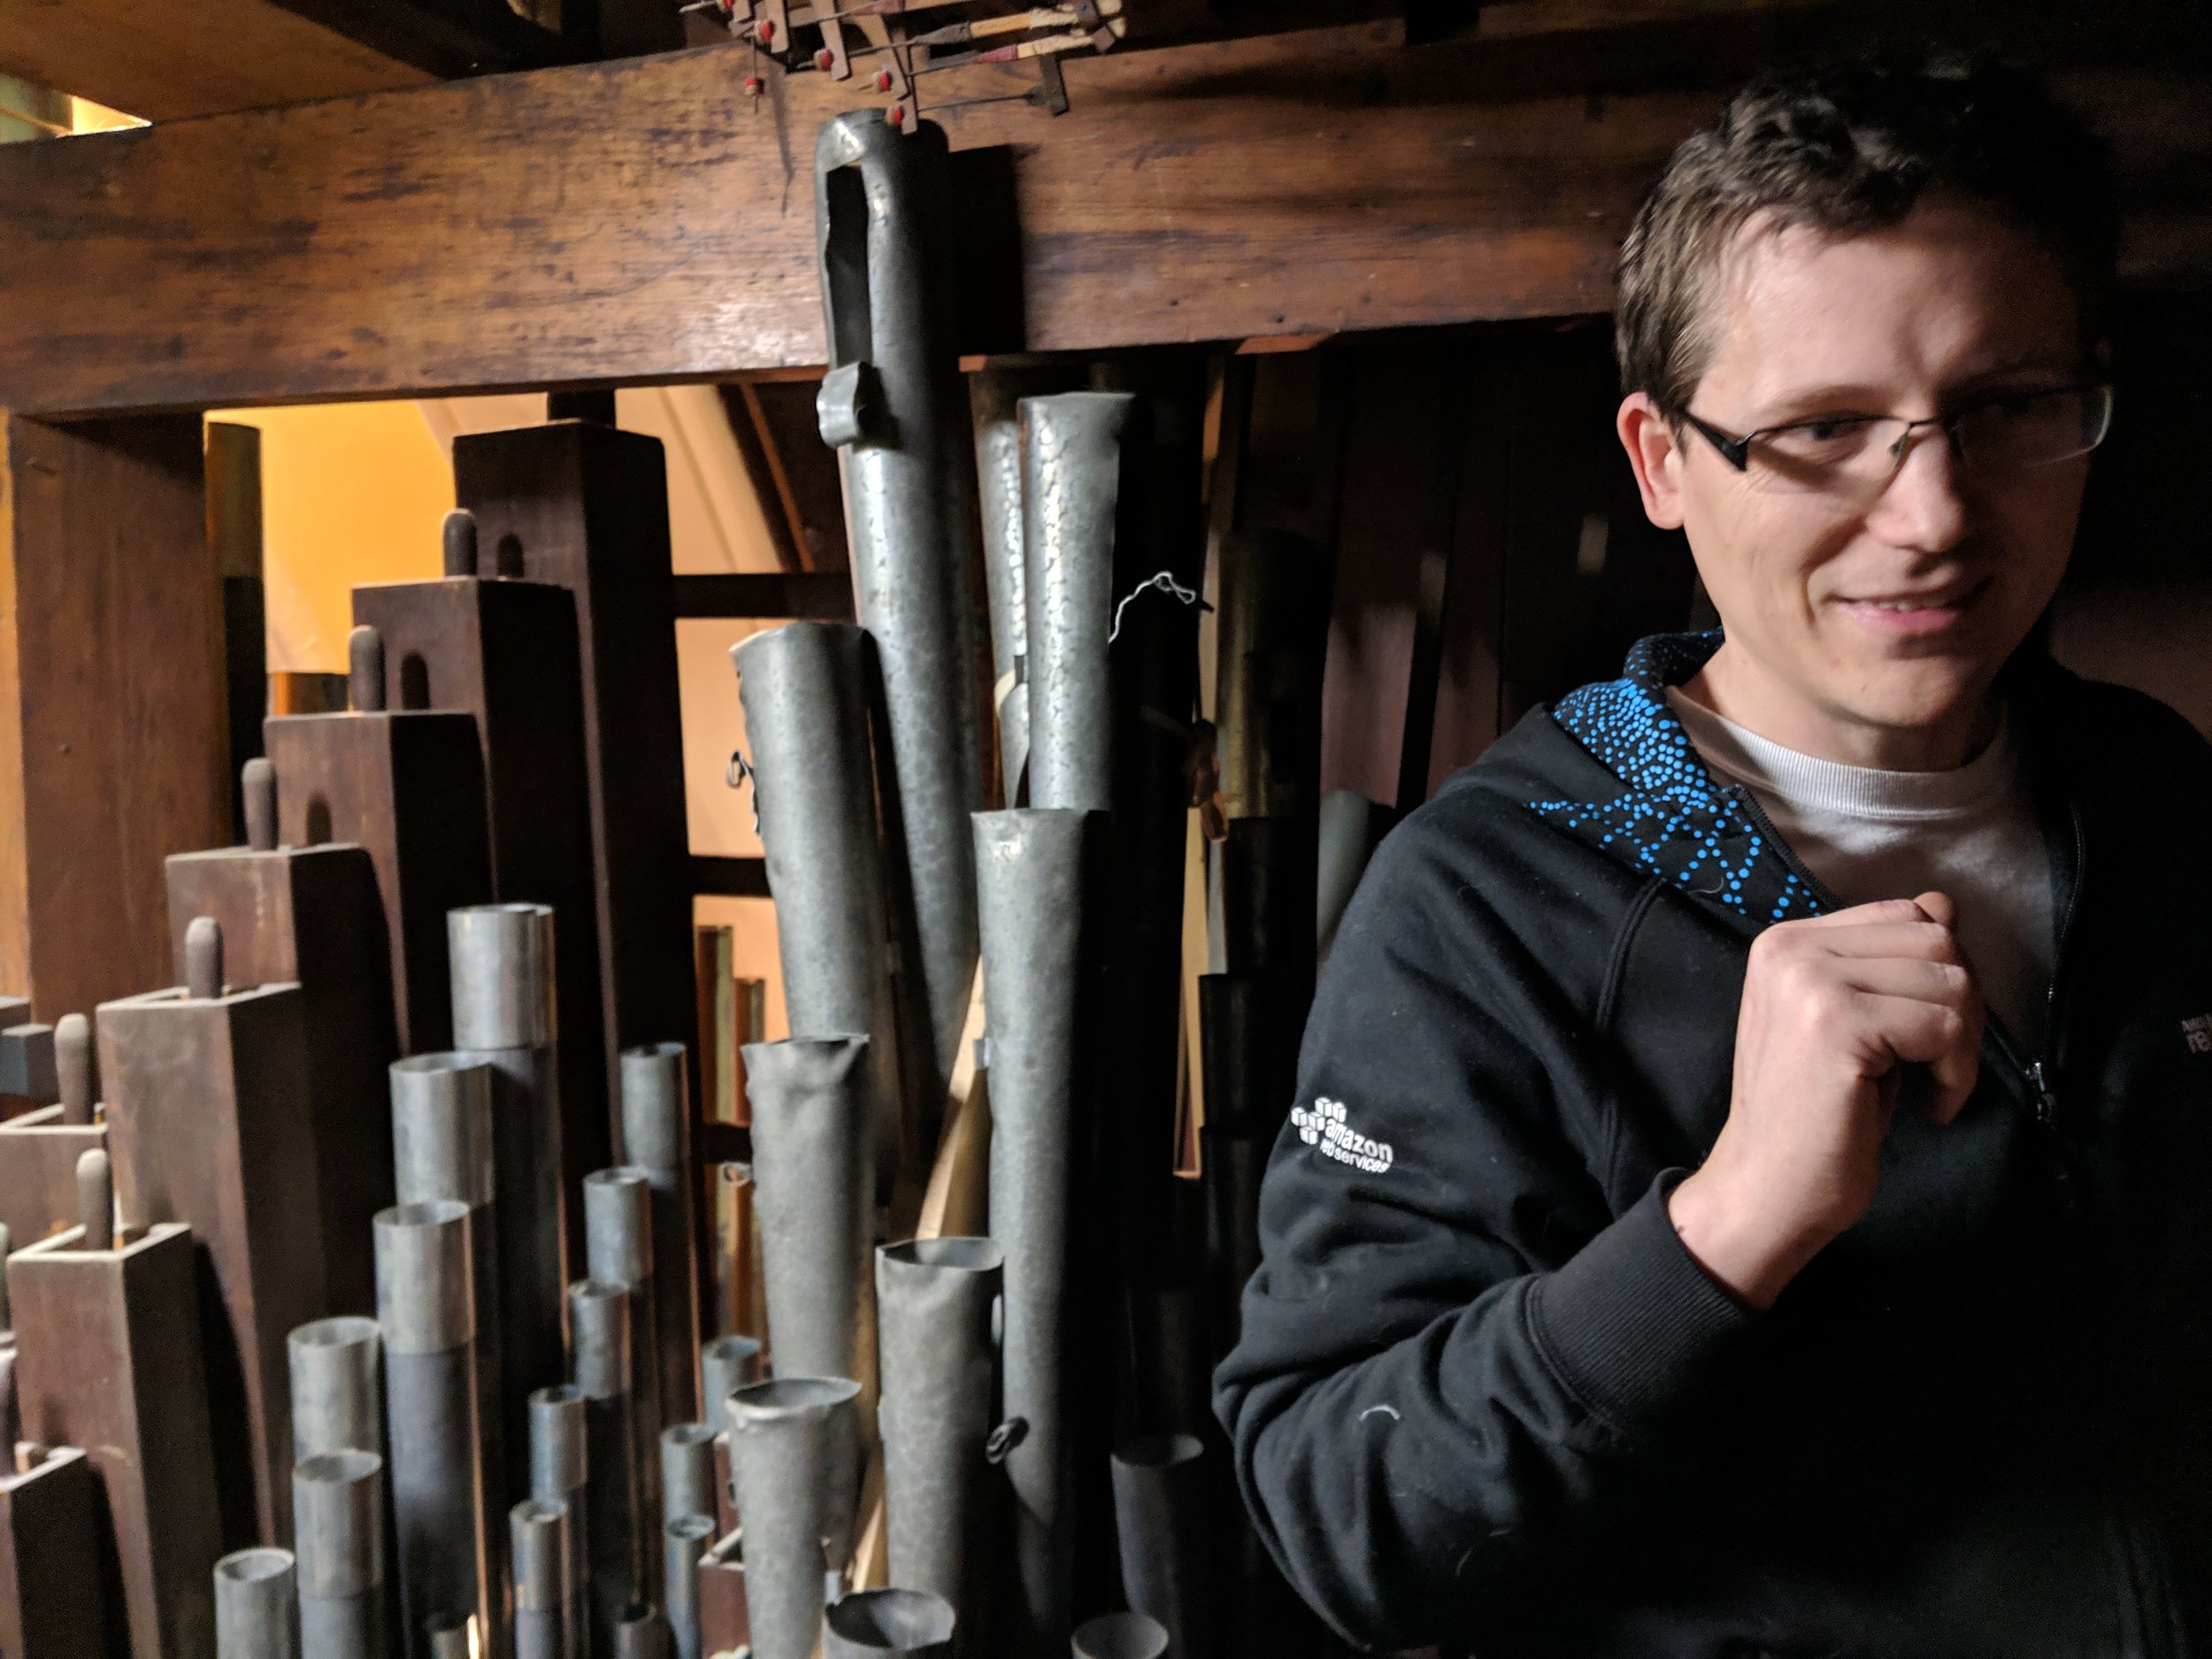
1856, 456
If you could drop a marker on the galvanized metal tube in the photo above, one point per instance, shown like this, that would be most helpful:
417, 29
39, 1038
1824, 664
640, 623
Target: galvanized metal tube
813, 1171
441, 1150
1120, 1636
894, 402
599, 1323
657, 1137
337, 1398
1030, 868
685, 1538
257, 1605
805, 687
688, 1470
894, 1624
1070, 490
935, 1299
338, 1529
72, 1068
426, 1304
456, 1641
725, 1365
537, 1531
1160, 1515
502, 958
641, 1633
560, 1463
794, 1446
619, 1249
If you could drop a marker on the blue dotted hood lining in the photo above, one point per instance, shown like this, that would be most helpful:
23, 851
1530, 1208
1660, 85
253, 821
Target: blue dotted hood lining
1670, 817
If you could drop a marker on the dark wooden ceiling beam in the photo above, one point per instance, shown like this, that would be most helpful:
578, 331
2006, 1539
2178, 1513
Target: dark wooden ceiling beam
644, 221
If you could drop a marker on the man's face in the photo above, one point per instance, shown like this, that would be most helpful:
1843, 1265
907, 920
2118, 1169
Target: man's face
1872, 630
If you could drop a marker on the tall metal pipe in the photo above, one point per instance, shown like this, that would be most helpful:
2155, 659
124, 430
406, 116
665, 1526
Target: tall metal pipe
813, 1171
688, 1470
1120, 1636
935, 1299
657, 1137
442, 1149
537, 1531
794, 1457
338, 1529
1030, 866
892, 404
806, 691
1071, 492
337, 1393
640, 1634
725, 1365
1160, 1515
894, 1624
257, 1605
619, 1250
425, 1303
683, 1541
559, 1471
504, 990
599, 1325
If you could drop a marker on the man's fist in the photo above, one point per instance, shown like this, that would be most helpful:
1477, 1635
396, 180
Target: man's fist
1833, 1008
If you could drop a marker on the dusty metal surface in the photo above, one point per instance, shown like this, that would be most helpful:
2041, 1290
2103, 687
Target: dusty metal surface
684, 1540
935, 1299
1160, 1515
806, 689
339, 1498
891, 1624
794, 1457
1030, 869
336, 1368
617, 1562
687, 1478
1072, 489
619, 1250
813, 1161
1120, 1636
560, 1470
257, 1605
894, 404
657, 1117
537, 1530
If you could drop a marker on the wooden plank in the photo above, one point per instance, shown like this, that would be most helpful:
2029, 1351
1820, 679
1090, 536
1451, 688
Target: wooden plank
162, 63
642, 221
112, 707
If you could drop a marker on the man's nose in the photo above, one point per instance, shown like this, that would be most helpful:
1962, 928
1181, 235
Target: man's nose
1923, 508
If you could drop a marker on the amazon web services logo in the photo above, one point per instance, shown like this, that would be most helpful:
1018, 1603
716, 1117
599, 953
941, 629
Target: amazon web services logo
1322, 1125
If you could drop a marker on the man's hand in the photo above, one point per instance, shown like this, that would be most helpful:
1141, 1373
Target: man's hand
1832, 1009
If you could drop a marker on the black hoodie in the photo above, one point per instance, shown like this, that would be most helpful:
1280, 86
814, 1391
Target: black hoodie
1482, 1394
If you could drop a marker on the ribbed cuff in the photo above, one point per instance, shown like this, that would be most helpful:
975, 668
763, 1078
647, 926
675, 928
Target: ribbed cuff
1631, 1320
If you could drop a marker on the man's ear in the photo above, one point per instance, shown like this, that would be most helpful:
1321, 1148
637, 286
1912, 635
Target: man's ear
1655, 456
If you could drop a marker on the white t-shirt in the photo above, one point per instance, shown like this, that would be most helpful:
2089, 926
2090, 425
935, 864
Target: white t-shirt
1871, 834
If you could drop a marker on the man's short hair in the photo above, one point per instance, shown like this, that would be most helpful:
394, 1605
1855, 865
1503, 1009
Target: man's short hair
1846, 151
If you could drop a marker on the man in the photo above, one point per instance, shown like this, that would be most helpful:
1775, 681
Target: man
1750, 1189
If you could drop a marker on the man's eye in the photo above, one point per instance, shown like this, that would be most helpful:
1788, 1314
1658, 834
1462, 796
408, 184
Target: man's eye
1831, 438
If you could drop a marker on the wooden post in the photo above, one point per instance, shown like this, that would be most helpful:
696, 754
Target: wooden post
506, 652
108, 1358
209, 1125
585, 507
112, 747
312, 915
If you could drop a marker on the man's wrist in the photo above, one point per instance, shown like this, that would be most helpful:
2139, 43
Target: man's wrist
1741, 1249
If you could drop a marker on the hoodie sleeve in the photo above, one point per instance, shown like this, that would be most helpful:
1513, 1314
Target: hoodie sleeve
1459, 1362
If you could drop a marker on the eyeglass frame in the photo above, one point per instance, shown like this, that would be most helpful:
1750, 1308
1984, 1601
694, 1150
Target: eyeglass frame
1736, 449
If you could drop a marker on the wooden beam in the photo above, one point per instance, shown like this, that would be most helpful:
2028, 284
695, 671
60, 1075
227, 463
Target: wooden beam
112, 714
164, 62
644, 221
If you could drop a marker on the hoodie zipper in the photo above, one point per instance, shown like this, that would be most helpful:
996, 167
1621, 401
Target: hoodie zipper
2032, 1074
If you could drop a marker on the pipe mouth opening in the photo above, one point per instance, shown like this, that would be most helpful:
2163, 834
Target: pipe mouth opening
735, 1349
557, 1394
254, 1566
344, 1329
619, 1175
953, 1254
432, 1212
517, 907
337, 1469
892, 1620
734, 1174
445, 1060
539, 1511
694, 1528
690, 1434
1159, 1451
655, 1051
1120, 1636
789, 1396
